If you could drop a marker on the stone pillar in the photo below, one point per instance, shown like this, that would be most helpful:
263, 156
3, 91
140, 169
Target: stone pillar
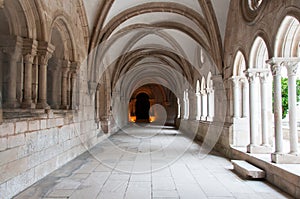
64, 84
198, 98
192, 105
220, 99
29, 52
264, 113
210, 104
245, 100
203, 105
179, 108
236, 96
45, 51
276, 65
186, 104
252, 77
276, 71
13, 52
35, 76
74, 92
292, 90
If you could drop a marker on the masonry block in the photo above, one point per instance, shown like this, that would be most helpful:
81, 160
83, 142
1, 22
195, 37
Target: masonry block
7, 129
34, 125
247, 170
15, 141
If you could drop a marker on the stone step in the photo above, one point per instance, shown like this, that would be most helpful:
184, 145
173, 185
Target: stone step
247, 170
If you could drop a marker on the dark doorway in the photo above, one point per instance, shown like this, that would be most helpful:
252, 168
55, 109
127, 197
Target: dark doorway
142, 107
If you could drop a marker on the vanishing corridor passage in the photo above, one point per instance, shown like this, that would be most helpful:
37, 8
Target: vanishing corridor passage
148, 162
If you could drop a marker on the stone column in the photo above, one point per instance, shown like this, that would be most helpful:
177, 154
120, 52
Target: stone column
35, 75
245, 100
74, 92
29, 52
210, 104
186, 104
292, 92
192, 105
236, 96
179, 108
264, 113
198, 96
220, 99
252, 78
13, 52
203, 105
276, 71
276, 65
45, 51
64, 84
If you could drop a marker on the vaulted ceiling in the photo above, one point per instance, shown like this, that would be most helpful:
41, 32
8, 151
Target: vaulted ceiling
179, 35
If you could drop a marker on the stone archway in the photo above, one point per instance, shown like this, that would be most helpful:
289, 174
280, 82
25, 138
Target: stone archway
142, 107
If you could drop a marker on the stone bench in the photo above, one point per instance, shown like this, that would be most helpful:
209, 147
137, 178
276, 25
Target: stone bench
247, 170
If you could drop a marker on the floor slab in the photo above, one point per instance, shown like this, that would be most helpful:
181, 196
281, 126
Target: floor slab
145, 162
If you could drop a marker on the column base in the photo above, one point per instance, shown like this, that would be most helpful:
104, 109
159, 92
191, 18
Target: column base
11, 104
42, 105
29, 105
64, 107
285, 158
209, 118
259, 149
203, 118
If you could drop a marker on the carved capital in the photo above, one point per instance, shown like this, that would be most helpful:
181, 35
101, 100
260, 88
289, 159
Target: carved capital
29, 50
277, 62
263, 76
45, 51
235, 80
292, 69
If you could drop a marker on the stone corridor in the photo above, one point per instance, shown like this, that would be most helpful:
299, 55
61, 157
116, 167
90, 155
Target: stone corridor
148, 162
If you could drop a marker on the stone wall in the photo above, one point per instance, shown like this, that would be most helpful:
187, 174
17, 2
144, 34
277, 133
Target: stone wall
35, 142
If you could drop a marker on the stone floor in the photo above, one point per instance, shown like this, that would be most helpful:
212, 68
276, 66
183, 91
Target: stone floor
148, 162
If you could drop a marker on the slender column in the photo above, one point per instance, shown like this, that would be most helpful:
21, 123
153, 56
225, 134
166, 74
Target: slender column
179, 108
264, 113
74, 91
64, 86
29, 51
187, 105
35, 80
44, 53
192, 105
253, 110
276, 72
27, 99
292, 90
210, 104
245, 100
204, 105
198, 96
236, 96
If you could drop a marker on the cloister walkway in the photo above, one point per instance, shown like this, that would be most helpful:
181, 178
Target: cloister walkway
148, 162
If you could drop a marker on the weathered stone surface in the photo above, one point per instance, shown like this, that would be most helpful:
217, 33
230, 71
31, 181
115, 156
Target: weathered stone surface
247, 170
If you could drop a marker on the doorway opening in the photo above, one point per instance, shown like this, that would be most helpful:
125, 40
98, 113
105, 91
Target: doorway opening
142, 106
